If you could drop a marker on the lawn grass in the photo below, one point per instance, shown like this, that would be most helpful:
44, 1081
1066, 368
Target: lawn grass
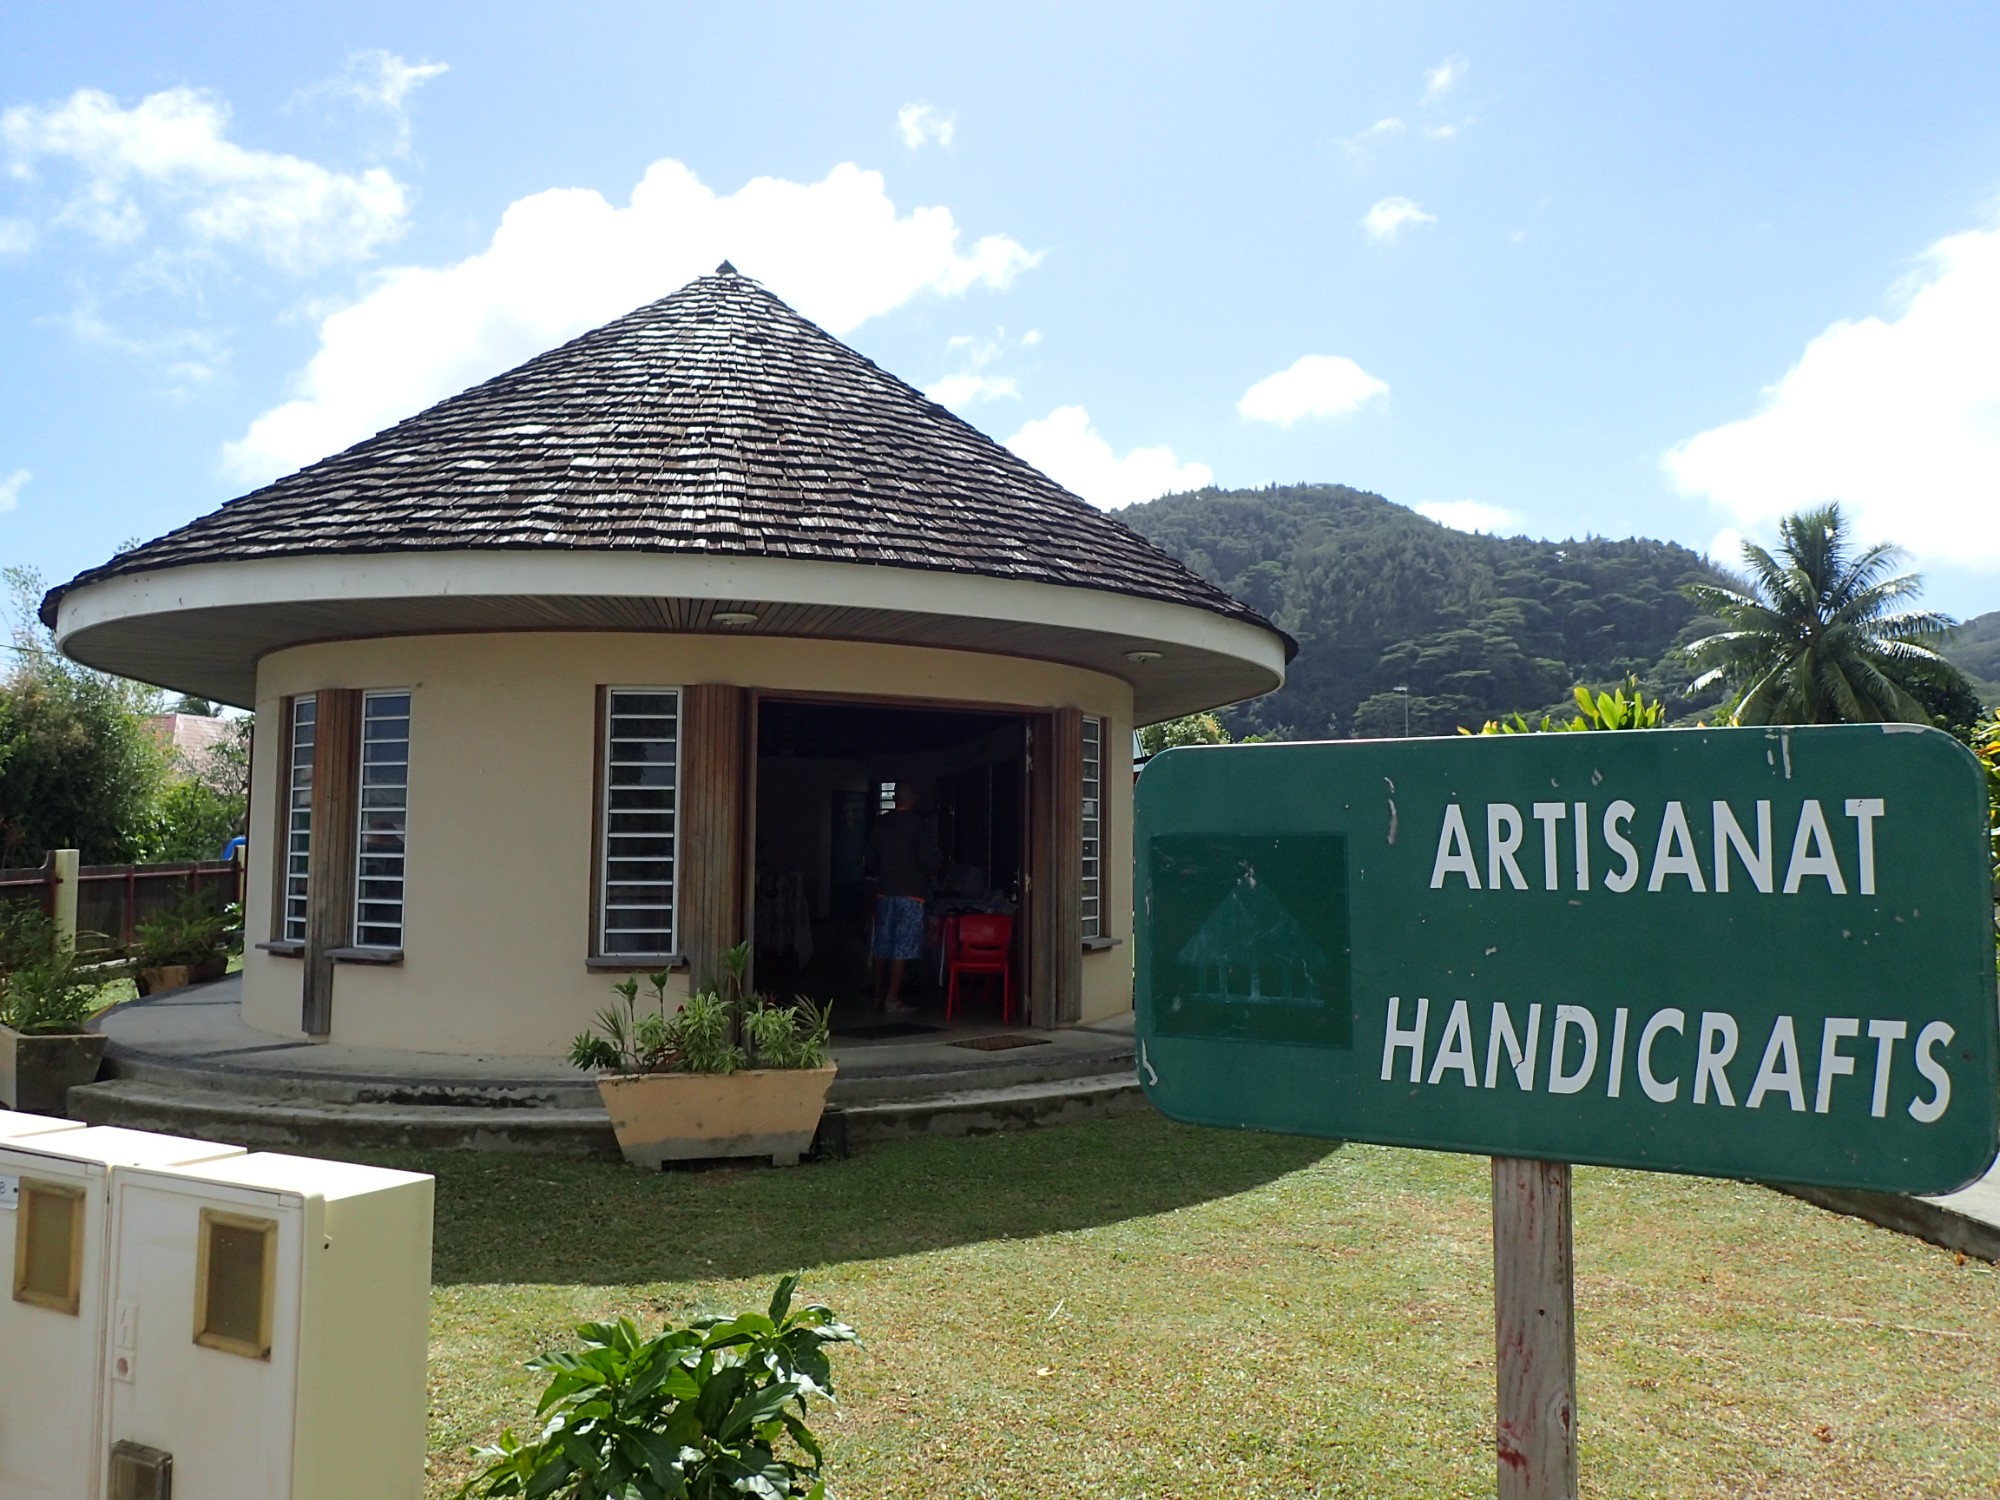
1132, 1308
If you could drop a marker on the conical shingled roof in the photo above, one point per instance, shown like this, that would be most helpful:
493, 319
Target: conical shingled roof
715, 421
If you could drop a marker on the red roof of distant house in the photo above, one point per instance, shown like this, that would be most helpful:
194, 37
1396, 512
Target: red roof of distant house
193, 735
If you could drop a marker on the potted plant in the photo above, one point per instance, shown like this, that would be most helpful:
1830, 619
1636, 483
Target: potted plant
718, 1077
186, 944
46, 1046
710, 1411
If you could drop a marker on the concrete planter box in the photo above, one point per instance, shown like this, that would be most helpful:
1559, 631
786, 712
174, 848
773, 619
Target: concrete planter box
663, 1117
179, 976
37, 1072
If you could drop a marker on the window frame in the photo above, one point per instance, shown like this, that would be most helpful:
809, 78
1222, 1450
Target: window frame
361, 812
1093, 733
289, 827
205, 1335
35, 1193
601, 954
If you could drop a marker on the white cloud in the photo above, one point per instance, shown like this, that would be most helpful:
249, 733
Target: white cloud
17, 236
566, 260
1445, 77
1316, 385
11, 487
1392, 216
381, 81
1380, 130
1470, 515
1898, 418
1064, 446
919, 124
968, 385
187, 357
171, 151
964, 390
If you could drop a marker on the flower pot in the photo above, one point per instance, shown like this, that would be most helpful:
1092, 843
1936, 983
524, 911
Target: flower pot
37, 1072
208, 969
663, 1117
168, 977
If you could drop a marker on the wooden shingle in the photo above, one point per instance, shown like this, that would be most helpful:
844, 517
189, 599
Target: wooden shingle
716, 420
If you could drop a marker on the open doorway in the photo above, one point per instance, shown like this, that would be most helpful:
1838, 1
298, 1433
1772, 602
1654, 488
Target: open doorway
825, 772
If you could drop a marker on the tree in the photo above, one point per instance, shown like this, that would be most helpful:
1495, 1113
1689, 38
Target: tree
1816, 637
77, 768
1193, 729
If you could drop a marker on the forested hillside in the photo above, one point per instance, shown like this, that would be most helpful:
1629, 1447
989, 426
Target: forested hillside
1380, 598
1975, 649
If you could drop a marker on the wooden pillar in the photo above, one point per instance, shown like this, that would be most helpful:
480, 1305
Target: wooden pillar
335, 829
1038, 883
709, 871
1534, 1312
1066, 918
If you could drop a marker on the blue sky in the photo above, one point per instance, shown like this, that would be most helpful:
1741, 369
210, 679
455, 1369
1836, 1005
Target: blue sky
1667, 271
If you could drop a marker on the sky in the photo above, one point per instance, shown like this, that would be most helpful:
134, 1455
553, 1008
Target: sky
1549, 269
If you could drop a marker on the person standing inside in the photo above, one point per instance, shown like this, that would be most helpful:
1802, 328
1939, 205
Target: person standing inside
904, 865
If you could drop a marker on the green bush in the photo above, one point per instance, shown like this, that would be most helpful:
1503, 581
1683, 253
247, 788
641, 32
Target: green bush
693, 1413
712, 1032
192, 932
42, 990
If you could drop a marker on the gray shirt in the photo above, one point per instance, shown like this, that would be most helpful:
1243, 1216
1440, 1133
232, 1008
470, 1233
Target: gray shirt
901, 857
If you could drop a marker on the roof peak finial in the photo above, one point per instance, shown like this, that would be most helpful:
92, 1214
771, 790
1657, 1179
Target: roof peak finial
726, 269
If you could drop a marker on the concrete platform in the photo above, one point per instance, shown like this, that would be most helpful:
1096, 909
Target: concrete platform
186, 1062
1967, 1220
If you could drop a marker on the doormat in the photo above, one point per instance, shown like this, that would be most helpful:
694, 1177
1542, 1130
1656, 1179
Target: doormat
882, 1030
1000, 1043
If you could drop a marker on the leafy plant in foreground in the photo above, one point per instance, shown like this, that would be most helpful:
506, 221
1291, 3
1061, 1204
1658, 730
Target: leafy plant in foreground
694, 1413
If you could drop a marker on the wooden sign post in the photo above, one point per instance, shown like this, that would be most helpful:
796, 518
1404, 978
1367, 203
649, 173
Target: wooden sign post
1534, 1330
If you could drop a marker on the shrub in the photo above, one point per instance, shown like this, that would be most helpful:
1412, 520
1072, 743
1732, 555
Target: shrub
190, 933
710, 1033
693, 1413
43, 992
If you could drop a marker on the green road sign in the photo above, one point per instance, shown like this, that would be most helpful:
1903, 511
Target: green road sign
1739, 953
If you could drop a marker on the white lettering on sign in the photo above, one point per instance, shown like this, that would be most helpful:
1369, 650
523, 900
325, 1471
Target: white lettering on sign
1819, 860
1670, 1051
10, 1192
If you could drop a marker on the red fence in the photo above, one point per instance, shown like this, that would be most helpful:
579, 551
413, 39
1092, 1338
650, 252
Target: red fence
112, 899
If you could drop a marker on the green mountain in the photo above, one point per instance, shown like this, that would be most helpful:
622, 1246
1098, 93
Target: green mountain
1381, 599
1975, 651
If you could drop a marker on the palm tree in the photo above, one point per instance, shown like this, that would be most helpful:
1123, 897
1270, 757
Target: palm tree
1817, 638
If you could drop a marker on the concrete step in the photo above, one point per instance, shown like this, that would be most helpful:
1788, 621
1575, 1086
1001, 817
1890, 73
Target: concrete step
263, 1121
863, 1079
167, 1073
860, 1083
981, 1111
267, 1122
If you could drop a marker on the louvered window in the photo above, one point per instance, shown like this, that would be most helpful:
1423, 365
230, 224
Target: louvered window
381, 848
1092, 826
641, 813
298, 818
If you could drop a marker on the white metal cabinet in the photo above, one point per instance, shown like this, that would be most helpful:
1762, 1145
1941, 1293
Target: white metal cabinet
54, 1236
270, 1322
14, 1124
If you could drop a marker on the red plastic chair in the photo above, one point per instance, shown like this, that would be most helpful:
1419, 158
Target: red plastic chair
980, 943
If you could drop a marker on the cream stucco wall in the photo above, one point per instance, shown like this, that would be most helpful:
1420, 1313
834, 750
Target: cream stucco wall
502, 737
